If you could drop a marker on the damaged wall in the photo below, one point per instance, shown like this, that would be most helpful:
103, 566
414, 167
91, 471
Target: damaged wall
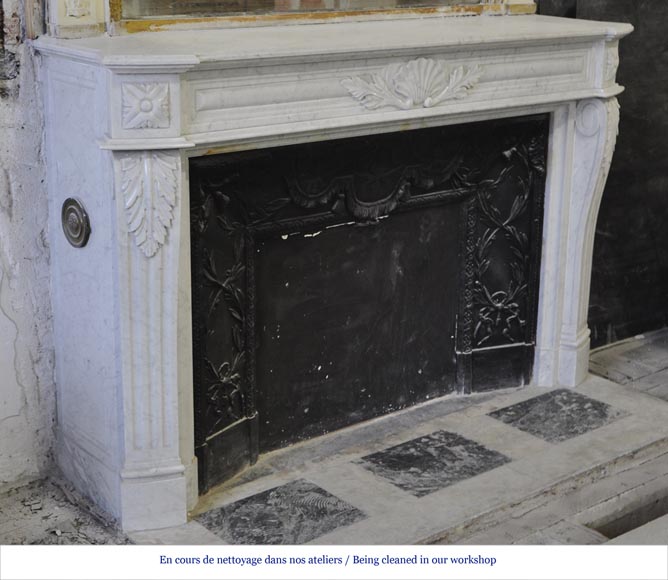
27, 391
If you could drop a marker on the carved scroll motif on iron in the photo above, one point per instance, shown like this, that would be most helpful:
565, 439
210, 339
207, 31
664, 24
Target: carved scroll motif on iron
419, 83
501, 310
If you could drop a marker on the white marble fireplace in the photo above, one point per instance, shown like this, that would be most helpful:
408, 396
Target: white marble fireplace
124, 115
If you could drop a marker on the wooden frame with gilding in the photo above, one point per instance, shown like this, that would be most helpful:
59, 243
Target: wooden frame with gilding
120, 24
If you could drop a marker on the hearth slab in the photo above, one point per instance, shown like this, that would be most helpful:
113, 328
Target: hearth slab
558, 415
293, 513
427, 464
539, 471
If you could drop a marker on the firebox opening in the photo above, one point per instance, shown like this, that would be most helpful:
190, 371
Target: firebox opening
338, 281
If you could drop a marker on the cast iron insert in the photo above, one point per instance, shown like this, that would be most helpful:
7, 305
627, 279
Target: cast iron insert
342, 280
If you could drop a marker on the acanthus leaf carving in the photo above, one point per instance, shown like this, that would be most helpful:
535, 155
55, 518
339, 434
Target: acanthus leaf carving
417, 83
145, 105
611, 63
149, 186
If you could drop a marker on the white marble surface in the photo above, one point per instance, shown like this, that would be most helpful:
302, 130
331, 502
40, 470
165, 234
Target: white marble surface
83, 283
123, 116
226, 47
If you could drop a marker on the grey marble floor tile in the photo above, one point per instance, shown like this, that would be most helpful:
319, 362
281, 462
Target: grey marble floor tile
294, 513
429, 463
558, 415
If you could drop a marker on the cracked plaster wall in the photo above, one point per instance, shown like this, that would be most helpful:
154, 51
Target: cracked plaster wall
27, 391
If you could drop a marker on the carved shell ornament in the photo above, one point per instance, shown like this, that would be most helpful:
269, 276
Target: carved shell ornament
423, 82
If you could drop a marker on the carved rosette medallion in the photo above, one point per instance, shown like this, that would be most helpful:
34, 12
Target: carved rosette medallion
145, 105
149, 186
423, 82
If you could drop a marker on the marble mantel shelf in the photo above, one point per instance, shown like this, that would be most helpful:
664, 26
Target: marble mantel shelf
124, 115
220, 48
239, 84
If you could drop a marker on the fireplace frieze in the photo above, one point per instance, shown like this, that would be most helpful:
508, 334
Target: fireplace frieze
417, 83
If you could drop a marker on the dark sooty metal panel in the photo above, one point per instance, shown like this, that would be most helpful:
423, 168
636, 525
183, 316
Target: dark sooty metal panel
355, 322
338, 281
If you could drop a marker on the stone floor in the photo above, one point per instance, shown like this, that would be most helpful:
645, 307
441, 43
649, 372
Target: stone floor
640, 362
51, 512
522, 466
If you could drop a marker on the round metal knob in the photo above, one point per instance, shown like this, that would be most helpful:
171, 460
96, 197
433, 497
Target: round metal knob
76, 224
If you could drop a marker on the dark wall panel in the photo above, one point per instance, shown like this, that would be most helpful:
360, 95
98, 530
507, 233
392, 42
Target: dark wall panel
566, 8
630, 274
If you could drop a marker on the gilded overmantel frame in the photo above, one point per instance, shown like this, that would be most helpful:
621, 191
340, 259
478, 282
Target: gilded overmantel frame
81, 18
